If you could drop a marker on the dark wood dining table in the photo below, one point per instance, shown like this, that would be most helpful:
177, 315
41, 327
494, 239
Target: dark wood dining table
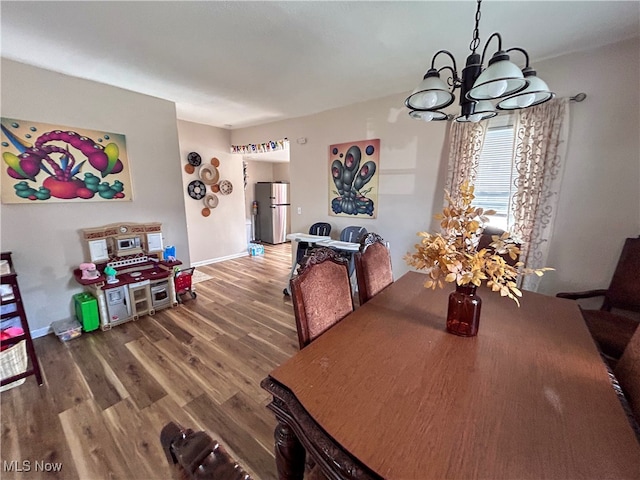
388, 393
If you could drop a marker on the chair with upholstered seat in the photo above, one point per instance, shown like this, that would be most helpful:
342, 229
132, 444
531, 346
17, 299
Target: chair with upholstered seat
627, 372
612, 331
319, 228
373, 266
321, 293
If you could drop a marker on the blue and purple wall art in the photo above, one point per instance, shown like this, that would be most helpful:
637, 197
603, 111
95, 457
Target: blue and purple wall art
353, 184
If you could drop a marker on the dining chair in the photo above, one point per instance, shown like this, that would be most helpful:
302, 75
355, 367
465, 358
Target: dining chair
197, 456
373, 267
627, 371
613, 330
321, 293
318, 228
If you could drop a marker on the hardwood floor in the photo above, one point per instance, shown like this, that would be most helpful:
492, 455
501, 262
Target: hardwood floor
107, 395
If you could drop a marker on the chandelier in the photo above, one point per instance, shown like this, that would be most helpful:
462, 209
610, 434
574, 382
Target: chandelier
502, 80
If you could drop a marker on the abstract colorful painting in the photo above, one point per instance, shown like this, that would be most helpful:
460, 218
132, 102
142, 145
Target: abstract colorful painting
353, 187
51, 163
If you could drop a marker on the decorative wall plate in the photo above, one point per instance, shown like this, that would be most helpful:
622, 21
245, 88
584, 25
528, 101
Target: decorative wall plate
206, 212
197, 189
215, 188
225, 187
215, 162
189, 168
208, 174
210, 200
194, 159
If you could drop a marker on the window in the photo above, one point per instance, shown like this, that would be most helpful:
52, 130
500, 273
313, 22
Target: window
494, 180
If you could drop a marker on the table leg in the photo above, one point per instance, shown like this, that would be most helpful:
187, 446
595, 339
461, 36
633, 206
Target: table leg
289, 453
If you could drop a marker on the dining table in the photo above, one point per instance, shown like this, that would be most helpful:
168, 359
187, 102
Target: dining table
388, 393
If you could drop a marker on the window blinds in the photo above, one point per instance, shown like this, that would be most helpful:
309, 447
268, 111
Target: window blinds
494, 184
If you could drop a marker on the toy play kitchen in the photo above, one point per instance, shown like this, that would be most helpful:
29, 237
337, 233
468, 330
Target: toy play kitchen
128, 272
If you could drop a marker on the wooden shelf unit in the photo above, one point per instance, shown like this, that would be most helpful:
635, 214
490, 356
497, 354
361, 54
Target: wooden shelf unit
11, 279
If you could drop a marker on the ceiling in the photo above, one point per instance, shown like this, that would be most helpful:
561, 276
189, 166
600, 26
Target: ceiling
237, 64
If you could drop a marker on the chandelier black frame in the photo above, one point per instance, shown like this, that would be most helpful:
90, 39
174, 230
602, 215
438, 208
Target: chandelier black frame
502, 80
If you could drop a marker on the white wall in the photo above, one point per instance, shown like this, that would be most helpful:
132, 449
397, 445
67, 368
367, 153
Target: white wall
599, 204
600, 196
222, 234
281, 172
45, 238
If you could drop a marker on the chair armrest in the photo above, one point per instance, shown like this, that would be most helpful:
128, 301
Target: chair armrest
585, 294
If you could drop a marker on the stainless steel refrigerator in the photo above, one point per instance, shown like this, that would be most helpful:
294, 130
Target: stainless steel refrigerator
273, 211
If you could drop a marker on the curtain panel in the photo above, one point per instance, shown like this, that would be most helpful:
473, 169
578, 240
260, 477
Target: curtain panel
540, 147
466, 140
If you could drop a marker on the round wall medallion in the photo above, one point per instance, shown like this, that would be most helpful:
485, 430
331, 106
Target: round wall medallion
194, 159
225, 187
215, 162
189, 168
206, 212
208, 174
210, 200
197, 189
215, 188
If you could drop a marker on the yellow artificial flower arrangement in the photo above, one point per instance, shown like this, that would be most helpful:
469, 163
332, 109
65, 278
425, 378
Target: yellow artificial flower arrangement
453, 255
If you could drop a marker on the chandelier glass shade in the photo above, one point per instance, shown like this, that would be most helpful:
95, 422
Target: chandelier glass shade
537, 92
484, 110
501, 81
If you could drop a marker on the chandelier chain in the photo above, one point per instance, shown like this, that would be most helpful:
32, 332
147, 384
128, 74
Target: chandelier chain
475, 43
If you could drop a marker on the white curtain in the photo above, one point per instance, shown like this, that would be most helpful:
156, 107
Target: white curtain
540, 148
465, 146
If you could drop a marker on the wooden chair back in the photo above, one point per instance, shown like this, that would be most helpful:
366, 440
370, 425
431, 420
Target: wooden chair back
321, 293
373, 267
627, 372
486, 238
624, 289
197, 456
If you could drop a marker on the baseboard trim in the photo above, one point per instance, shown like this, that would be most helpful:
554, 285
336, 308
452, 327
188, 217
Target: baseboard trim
219, 259
41, 332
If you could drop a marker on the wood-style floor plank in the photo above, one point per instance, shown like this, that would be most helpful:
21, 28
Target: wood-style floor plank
167, 373
143, 388
43, 442
108, 394
239, 439
94, 450
142, 452
105, 386
63, 376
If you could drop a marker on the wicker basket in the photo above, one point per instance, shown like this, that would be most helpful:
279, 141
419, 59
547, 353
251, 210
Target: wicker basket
13, 361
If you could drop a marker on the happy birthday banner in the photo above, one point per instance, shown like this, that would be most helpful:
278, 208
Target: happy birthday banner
270, 146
